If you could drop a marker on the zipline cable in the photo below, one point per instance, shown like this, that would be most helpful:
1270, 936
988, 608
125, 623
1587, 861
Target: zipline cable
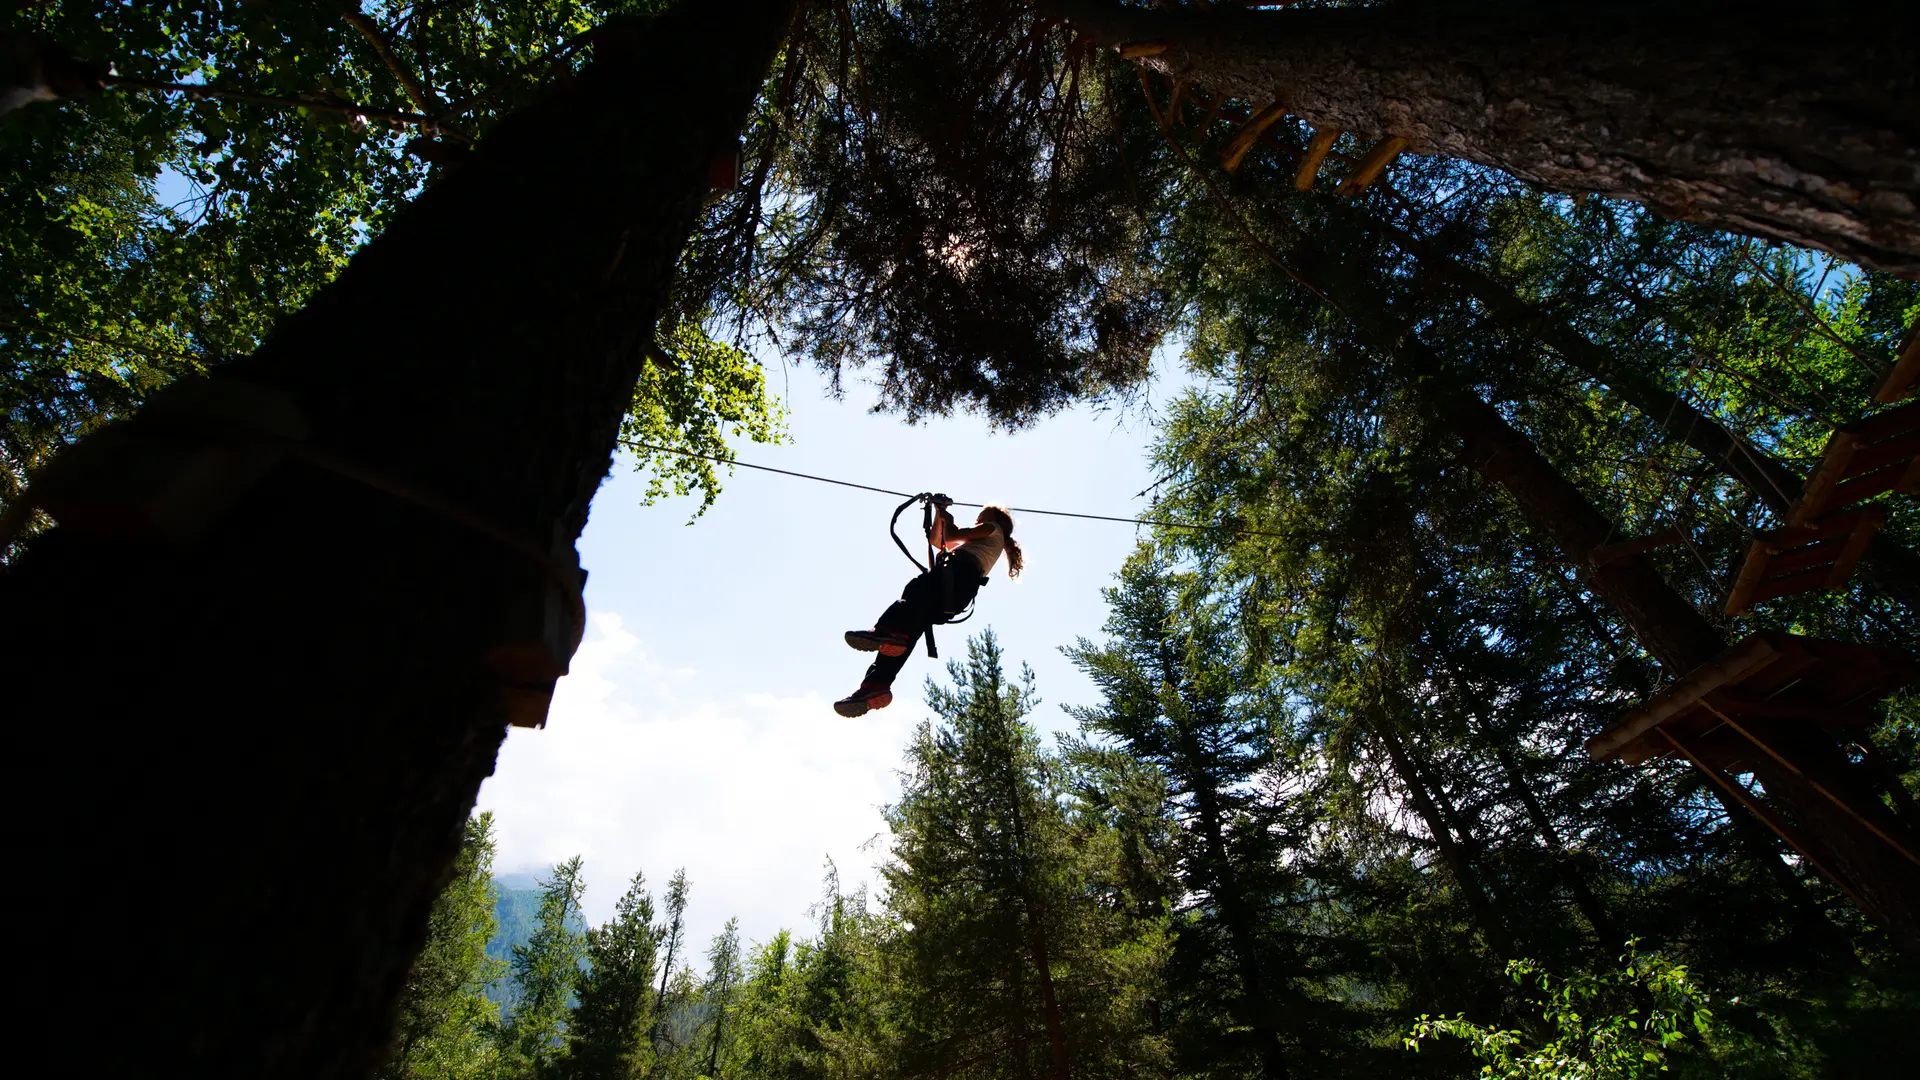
906, 495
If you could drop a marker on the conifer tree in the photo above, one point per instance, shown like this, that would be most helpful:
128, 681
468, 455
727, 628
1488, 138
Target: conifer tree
720, 990
1007, 948
1394, 579
821, 1005
445, 1016
545, 971
1182, 696
670, 935
763, 1015
607, 1031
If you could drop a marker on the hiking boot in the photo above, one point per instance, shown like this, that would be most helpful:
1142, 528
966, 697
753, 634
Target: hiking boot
867, 697
884, 642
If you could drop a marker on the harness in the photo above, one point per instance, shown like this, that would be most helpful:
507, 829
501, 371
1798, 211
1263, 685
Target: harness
938, 563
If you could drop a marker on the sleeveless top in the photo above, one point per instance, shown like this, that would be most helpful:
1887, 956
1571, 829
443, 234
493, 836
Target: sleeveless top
986, 550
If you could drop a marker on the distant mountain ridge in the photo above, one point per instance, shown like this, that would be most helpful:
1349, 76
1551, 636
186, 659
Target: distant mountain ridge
516, 910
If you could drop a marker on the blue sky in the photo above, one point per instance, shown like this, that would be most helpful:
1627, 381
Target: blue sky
696, 729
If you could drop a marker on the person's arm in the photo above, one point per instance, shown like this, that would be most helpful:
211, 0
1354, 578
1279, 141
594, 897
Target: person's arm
948, 536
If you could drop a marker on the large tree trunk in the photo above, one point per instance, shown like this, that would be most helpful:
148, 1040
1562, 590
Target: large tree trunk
1793, 122
263, 723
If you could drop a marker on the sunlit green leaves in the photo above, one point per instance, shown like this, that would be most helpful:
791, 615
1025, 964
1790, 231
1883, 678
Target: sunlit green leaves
1611, 1025
148, 235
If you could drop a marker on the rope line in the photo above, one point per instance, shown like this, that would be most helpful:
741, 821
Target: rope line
908, 495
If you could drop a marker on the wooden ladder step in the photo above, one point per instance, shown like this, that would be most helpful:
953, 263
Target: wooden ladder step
1249, 133
1887, 423
1766, 679
1371, 166
1315, 157
1902, 477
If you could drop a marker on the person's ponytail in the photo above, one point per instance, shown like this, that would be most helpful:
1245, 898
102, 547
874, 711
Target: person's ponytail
1016, 561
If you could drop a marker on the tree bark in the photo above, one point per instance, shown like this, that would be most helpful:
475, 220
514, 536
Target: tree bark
267, 719
1789, 122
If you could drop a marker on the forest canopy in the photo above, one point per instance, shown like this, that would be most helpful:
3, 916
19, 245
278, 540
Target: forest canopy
1197, 884
1496, 455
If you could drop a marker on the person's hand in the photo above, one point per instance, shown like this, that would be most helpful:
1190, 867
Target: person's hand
940, 501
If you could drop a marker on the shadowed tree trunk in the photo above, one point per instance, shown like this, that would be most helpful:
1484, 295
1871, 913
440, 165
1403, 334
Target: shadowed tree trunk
1459, 862
267, 691
1793, 122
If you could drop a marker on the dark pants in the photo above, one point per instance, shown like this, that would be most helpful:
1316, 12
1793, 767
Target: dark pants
922, 604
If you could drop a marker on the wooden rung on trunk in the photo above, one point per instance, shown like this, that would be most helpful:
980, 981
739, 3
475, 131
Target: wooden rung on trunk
1906, 370
1249, 133
1134, 50
1371, 166
1315, 156
1803, 558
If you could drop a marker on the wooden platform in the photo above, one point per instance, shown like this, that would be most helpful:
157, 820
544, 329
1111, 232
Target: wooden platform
1826, 529
1719, 709
1752, 710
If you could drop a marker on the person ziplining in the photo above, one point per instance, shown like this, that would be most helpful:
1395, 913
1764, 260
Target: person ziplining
958, 563
960, 560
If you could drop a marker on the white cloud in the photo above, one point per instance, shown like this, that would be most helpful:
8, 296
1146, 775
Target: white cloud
642, 766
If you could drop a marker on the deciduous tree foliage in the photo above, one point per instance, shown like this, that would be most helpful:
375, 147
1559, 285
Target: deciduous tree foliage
153, 235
